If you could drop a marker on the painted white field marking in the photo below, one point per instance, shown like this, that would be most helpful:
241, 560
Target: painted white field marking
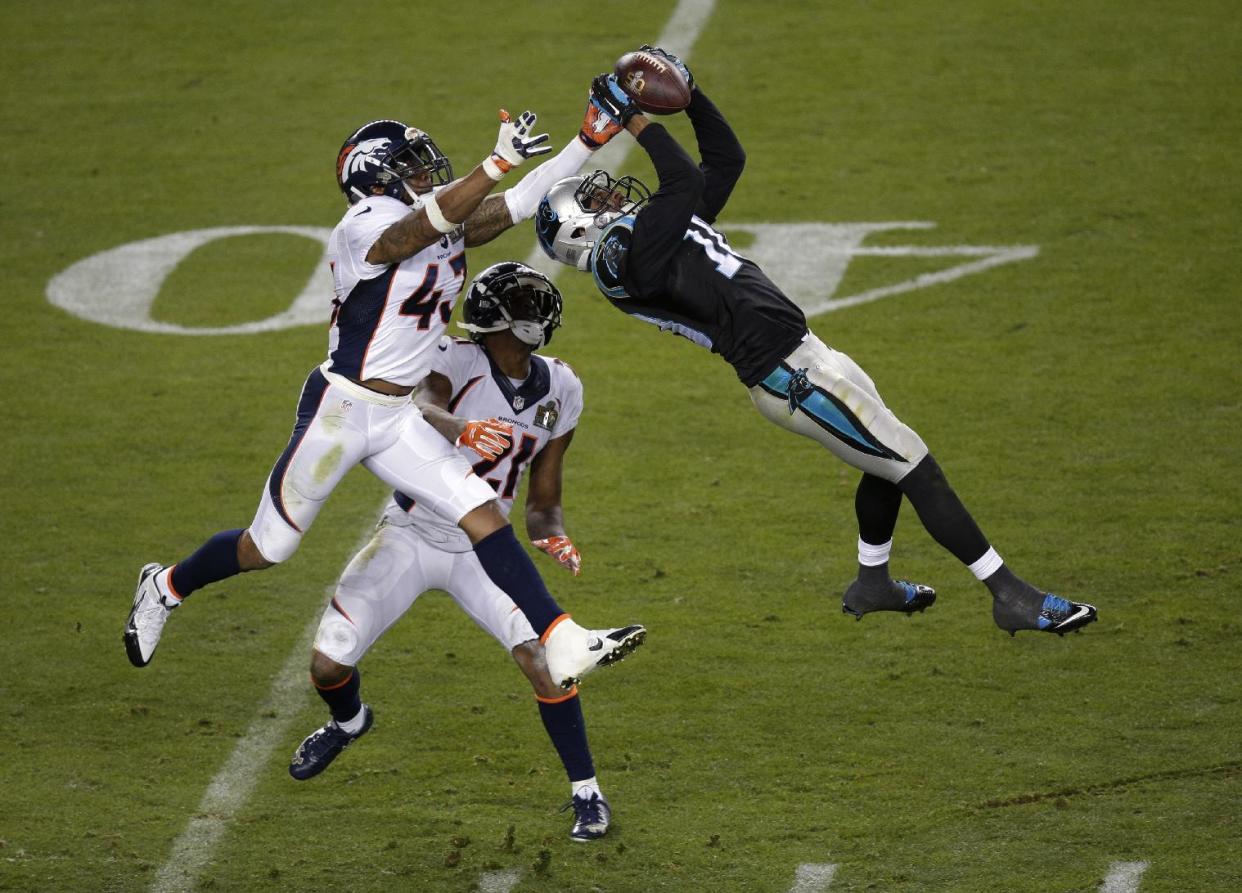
812, 877
499, 881
678, 37
1124, 877
117, 287
808, 260
234, 783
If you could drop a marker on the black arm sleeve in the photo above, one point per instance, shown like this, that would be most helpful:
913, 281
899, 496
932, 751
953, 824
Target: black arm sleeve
662, 223
722, 154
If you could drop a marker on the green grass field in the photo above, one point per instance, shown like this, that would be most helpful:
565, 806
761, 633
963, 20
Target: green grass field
1085, 403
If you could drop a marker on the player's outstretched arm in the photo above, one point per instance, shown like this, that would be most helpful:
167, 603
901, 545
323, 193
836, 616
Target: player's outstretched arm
445, 210
487, 437
600, 123
545, 522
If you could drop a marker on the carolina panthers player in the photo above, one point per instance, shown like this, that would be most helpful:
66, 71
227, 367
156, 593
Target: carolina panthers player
660, 260
398, 263
510, 311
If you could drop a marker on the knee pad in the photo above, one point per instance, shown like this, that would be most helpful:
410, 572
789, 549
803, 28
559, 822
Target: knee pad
338, 640
276, 542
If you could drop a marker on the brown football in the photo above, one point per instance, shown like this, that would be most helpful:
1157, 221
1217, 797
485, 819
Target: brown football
653, 82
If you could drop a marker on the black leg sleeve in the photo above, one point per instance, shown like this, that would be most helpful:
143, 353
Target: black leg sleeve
942, 513
876, 503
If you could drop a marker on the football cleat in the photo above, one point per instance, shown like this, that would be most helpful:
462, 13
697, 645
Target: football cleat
896, 595
324, 745
1041, 611
572, 652
147, 617
591, 817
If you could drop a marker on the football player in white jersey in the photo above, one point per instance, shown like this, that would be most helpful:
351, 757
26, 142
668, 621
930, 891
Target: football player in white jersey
531, 403
398, 263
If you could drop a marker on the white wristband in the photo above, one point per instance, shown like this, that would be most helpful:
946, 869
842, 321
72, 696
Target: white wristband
436, 216
492, 169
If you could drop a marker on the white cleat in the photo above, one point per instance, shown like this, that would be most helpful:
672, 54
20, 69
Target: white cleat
572, 652
147, 618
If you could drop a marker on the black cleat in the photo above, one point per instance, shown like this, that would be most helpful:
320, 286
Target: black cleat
1041, 611
897, 595
323, 746
591, 817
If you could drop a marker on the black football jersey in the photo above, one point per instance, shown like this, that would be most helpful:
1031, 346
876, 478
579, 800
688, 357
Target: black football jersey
680, 273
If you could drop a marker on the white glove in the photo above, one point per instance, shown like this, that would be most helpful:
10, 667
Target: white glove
514, 144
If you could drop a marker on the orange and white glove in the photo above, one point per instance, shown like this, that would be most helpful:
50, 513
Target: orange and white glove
563, 550
514, 144
489, 438
608, 110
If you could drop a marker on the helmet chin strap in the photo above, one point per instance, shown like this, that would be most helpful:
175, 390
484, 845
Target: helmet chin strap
411, 193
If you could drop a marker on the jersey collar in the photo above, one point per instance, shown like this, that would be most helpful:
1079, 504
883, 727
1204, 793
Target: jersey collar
531, 391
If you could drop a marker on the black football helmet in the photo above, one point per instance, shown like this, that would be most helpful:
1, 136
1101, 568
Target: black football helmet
385, 153
510, 295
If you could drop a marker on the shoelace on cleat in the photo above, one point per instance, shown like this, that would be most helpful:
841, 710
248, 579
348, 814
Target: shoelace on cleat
585, 811
1057, 608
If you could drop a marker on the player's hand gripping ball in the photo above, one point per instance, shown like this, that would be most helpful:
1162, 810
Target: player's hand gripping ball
653, 81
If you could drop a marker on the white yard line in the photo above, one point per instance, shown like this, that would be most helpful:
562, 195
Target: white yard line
1124, 877
234, 783
813, 877
499, 881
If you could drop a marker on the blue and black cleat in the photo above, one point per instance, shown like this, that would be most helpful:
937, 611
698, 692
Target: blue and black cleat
1041, 611
896, 595
323, 746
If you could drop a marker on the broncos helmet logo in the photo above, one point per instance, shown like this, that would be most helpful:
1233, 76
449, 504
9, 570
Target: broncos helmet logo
361, 157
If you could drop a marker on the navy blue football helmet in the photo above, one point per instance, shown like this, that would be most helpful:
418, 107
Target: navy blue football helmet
385, 153
510, 295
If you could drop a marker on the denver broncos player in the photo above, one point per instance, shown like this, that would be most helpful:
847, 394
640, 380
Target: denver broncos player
510, 311
661, 260
398, 263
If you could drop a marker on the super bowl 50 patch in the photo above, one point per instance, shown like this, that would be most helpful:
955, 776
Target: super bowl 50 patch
546, 415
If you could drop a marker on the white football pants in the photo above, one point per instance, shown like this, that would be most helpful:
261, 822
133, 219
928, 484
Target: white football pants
388, 574
821, 393
341, 424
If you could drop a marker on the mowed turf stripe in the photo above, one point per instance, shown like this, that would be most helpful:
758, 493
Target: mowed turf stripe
234, 783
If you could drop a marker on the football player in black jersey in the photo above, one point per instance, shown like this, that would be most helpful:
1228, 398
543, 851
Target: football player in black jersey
659, 259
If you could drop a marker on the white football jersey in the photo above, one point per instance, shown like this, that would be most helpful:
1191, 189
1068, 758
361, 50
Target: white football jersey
388, 318
545, 406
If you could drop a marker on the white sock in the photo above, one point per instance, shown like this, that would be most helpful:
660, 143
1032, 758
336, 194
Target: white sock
987, 565
164, 587
354, 725
585, 788
873, 556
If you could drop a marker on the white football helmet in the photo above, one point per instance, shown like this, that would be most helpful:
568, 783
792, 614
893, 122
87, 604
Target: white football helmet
575, 211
